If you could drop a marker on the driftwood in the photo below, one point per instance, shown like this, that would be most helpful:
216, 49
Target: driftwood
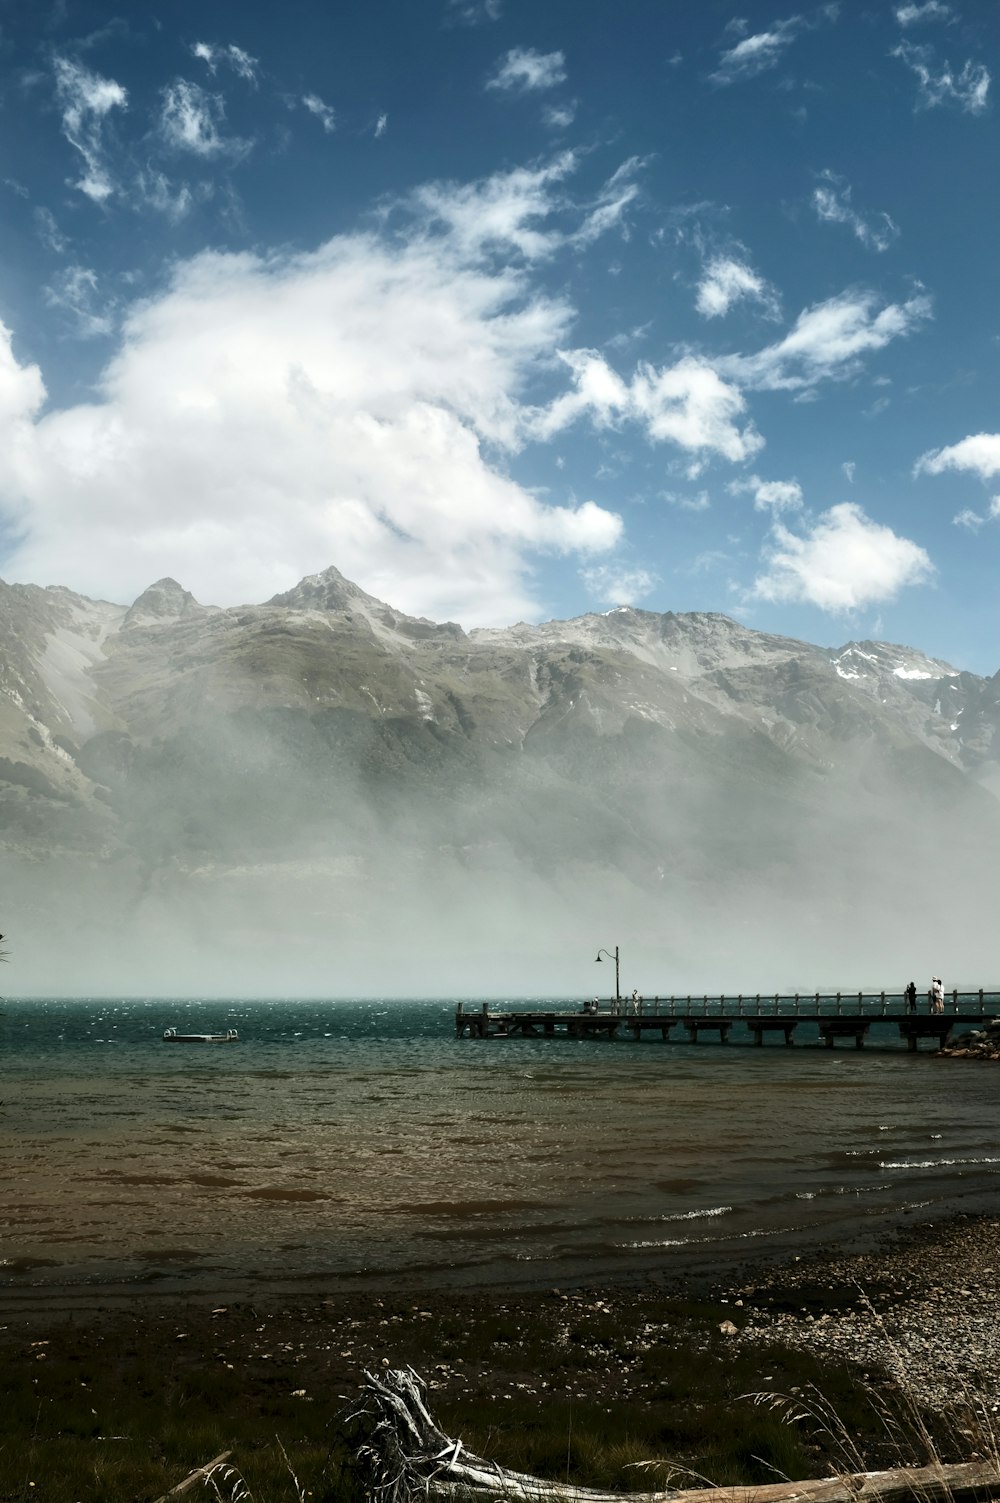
403, 1456
197, 1476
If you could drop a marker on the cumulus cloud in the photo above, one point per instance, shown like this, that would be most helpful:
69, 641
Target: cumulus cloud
967, 90
726, 281
916, 15
325, 113
832, 202
687, 404
192, 120
769, 495
86, 100
230, 55
267, 415
827, 342
522, 70
843, 563
980, 453
617, 583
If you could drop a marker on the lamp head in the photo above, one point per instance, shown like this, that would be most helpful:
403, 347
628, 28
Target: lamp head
598, 958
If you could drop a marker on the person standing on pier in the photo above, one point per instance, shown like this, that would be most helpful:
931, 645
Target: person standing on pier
911, 997
937, 995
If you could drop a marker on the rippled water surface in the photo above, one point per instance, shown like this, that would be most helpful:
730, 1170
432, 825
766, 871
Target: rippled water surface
350, 1141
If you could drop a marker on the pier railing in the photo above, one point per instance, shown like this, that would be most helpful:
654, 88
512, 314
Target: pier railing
795, 1004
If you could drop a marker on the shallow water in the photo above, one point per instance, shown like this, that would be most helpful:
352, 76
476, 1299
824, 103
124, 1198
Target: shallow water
348, 1142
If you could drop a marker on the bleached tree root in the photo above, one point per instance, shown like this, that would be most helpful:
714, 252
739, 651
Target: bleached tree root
403, 1456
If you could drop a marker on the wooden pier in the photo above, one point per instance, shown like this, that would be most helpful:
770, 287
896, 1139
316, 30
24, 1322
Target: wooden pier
847, 1015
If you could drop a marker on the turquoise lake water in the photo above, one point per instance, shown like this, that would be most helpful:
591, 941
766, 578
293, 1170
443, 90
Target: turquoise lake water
344, 1144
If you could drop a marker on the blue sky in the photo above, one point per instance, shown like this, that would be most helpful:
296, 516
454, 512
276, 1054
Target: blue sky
510, 311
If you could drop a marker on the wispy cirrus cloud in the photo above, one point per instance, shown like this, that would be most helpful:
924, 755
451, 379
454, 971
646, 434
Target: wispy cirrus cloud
192, 120
214, 56
508, 210
843, 562
832, 203
763, 50
522, 70
473, 12
86, 100
919, 15
48, 231
76, 293
727, 280
757, 53
939, 85
972, 521
324, 113
827, 342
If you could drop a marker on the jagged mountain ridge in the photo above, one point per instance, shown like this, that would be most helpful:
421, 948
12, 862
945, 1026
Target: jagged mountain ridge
356, 770
75, 671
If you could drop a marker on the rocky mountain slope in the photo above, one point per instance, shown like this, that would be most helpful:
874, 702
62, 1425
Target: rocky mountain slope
326, 764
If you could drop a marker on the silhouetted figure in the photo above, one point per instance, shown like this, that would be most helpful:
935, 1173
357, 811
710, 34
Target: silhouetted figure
911, 997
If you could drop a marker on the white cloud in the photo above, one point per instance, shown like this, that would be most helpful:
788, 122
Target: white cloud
915, 15
848, 468
687, 404
381, 126
522, 70
157, 191
980, 453
967, 90
324, 113
726, 281
559, 116
475, 12
971, 520
827, 342
700, 502
846, 561
508, 211
618, 584
265, 416
48, 231
617, 194
191, 120
769, 495
232, 56
756, 54
75, 292
832, 202
86, 100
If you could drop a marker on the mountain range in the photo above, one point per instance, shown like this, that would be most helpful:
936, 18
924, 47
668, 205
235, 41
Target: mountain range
322, 794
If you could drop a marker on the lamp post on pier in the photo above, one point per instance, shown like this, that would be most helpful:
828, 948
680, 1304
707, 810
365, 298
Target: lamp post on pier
600, 954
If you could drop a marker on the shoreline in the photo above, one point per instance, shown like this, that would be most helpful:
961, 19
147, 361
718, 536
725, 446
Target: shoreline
674, 1368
